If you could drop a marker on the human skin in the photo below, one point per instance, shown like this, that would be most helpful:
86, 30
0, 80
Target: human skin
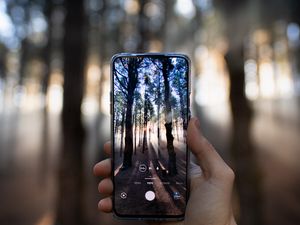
210, 201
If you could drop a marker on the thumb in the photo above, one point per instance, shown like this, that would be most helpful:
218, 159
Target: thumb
209, 160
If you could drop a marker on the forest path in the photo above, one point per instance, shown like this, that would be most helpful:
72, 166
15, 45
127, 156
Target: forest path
148, 173
173, 184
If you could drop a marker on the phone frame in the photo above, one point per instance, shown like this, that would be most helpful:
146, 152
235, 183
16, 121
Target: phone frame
154, 55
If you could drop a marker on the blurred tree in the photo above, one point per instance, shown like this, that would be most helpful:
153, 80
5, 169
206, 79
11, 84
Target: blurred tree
248, 186
46, 52
103, 54
3, 52
25, 44
70, 196
143, 28
295, 17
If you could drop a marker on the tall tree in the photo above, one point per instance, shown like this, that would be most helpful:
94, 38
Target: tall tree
142, 28
135, 130
70, 196
158, 103
146, 104
138, 105
3, 53
180, 84
122, 130
46, 52
129, 86
167, 67
148, 110
239, 22
26, 46
120, 107
158, 88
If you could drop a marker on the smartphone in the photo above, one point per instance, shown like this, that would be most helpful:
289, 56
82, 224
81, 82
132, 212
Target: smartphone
150, 113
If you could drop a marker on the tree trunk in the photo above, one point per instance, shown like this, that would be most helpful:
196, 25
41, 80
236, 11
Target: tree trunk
242, 150
46, 54
122, 131
146, 99
3, 69
143, 30
140, 126
177, 130
168, 115
70, 203
135, 130
183, 112
131, 85
24, 60
149, 132
102, 49
158, 116
128, 136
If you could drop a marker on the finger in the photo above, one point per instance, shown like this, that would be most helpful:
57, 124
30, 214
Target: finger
105, 186
103, 168
209, 160
195, 170
105, 205
107, 148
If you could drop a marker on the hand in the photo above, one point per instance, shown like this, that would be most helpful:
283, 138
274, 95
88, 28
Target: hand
210, 190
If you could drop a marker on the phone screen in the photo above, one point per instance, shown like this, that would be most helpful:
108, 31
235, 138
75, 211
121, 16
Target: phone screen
150, 112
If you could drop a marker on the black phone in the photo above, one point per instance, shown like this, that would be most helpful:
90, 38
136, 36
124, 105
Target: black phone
150, 112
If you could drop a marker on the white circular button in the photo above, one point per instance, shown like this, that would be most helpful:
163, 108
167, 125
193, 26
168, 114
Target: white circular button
123, 195
150, 195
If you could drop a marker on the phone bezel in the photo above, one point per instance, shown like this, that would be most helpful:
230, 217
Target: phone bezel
154, 55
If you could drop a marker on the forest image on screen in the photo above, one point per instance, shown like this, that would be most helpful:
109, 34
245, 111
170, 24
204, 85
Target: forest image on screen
150, 117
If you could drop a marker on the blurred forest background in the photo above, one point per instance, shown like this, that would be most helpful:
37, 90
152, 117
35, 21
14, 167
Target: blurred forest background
54, 98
